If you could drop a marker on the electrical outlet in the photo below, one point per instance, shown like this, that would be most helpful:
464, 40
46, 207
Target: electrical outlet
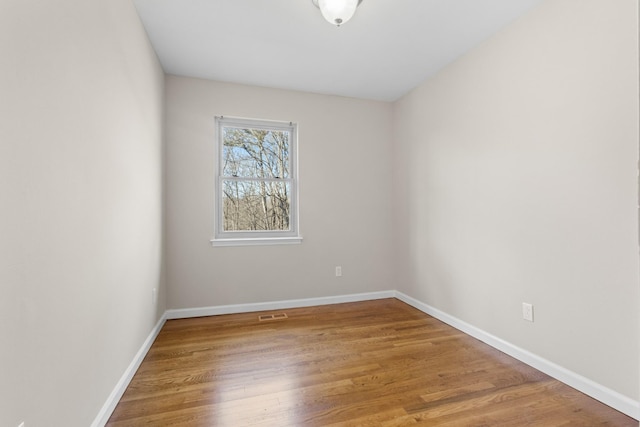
21, 424
338, 271
527, 311
154, 295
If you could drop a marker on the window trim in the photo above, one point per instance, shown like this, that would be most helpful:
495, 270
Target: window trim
258, 237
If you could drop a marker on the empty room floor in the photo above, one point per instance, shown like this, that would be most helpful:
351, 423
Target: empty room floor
372, 363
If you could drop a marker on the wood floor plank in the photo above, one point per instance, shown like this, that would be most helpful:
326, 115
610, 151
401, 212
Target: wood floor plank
374, 363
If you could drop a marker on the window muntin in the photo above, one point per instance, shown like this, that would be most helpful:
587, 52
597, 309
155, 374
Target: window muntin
256, 181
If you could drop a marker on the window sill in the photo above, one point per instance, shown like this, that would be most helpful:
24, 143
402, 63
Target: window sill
257, 241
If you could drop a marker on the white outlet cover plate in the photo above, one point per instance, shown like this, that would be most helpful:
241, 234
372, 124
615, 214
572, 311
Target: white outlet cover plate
527, 311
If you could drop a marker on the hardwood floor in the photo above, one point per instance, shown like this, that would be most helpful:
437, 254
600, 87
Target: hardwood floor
374, 363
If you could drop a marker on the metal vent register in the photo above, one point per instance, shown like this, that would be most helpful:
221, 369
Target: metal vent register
266, 317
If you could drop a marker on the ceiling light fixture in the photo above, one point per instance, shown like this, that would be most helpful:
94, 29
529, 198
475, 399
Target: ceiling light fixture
337, 12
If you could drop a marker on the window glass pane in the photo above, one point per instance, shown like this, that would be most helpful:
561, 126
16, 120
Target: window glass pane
255, 153
256, 205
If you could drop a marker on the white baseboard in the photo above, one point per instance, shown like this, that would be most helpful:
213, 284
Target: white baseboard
121, 386
275, 305
607, 396
599, 392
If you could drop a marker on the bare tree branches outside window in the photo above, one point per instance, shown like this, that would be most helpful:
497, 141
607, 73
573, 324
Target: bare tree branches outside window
255, 179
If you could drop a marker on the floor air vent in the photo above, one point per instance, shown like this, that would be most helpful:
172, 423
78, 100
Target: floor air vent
265, 317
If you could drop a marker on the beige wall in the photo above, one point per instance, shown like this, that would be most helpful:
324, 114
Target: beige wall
345, 193
80, 206
516, 174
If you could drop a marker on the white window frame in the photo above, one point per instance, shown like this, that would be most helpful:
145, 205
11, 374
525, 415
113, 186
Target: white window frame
259, 237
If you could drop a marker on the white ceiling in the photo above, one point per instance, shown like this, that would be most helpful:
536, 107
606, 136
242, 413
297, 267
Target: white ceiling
388, 48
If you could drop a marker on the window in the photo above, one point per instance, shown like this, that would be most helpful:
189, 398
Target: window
256, 185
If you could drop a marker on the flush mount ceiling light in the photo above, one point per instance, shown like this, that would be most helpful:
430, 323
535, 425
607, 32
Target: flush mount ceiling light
337, 12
